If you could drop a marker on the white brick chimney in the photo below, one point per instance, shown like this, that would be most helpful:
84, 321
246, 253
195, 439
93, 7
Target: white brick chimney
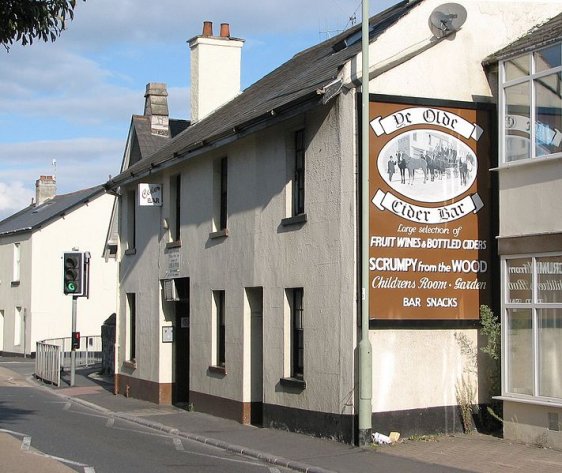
215, 70
45, 189
156, 107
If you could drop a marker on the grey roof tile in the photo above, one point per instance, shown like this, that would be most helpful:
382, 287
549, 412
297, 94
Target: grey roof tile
33, 217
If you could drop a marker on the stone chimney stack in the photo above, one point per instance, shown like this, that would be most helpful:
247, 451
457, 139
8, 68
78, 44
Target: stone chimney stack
215, 70
45, 189
156, 107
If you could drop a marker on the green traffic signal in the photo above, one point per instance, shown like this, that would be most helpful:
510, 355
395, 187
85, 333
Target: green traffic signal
73, 273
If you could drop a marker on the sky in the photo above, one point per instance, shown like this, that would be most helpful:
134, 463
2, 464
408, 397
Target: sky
65, 107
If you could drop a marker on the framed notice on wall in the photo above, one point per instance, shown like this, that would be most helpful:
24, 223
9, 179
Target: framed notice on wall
429, 214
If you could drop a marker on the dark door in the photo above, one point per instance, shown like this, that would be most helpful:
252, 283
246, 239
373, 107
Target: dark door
181, 343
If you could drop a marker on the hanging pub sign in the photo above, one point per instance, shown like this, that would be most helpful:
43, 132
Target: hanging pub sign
429, 217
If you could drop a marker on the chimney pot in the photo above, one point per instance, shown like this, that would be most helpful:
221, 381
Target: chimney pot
207, 28
225, 30
45, 188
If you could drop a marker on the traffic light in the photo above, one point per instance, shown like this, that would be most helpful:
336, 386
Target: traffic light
73, 278
75, 340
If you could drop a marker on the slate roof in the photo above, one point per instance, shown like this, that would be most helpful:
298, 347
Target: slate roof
149, 143
294, 82
34, 217
538, 37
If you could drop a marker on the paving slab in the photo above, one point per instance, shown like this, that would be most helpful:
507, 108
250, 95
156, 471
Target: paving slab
15, 459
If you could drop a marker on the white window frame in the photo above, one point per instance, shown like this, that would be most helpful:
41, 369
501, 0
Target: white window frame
534, 306
503, 85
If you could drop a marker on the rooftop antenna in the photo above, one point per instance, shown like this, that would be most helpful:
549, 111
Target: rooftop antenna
55, 169
447, 19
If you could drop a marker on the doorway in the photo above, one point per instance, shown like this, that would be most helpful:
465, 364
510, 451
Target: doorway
180, 394
254, 306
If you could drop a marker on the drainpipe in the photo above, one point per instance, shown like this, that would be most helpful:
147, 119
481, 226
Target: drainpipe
365, 350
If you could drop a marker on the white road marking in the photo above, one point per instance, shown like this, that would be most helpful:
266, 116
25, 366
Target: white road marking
110, 422
26, 446
26, 443
178, 444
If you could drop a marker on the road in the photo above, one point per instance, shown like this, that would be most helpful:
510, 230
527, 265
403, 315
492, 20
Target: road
87, 441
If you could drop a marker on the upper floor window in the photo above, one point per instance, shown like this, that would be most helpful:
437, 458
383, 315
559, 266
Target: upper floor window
298, 180
531, 105
220, 196
175, 207
131, 220
16, 262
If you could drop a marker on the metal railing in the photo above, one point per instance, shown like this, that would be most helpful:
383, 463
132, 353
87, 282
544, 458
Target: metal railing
53, 356
48, 362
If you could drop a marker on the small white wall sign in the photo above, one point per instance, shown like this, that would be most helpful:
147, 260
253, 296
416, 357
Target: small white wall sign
150, 195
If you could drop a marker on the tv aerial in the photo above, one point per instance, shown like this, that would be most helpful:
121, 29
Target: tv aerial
447, 19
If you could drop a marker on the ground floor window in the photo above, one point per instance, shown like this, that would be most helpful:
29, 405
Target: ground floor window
131, 327
532, 326
18, 324
219, 329
295, 332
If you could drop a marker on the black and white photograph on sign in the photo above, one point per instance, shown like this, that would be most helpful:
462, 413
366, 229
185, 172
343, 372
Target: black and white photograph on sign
428, 166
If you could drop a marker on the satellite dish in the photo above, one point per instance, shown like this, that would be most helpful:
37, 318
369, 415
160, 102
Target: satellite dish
447, 19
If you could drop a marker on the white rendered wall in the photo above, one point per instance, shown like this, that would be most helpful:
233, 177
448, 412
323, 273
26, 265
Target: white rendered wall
51, 310
138, 274
414, 369
526, 188
452, 69
258, 252
12, 296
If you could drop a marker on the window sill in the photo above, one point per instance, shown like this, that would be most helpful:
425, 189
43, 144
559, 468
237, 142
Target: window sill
296, 220
219, 234
527, 162
218, 370
530, 400
293, 383
173, 244
130, 364
15, 283
132, 251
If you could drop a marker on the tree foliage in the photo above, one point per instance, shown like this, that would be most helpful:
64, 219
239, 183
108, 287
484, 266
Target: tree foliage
27, 20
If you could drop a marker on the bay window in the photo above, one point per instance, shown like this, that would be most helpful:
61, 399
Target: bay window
531, 104
532, 327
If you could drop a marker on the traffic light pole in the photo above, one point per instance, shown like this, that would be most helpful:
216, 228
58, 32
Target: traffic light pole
73, 352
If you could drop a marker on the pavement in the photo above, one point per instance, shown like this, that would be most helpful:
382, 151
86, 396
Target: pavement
444, 453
